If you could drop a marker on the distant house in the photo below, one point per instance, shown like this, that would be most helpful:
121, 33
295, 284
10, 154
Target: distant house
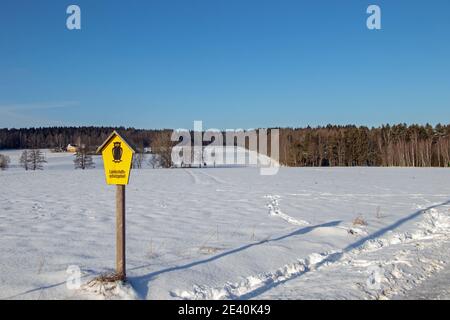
72, 148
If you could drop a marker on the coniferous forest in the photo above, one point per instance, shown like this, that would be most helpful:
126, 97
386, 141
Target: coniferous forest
388, 145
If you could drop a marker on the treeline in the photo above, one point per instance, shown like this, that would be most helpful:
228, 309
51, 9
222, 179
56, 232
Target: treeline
60, 137
397, 145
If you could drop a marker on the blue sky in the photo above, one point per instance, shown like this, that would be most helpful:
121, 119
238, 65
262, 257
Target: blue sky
230, 63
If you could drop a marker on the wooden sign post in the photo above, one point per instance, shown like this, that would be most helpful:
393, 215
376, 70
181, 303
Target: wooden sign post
120, 232
117, 157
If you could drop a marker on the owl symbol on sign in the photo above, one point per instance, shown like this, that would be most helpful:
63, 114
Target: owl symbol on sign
117, 152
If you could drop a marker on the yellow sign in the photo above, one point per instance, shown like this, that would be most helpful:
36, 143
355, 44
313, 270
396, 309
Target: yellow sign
117, 157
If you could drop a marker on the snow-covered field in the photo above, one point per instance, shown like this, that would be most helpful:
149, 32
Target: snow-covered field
225, 233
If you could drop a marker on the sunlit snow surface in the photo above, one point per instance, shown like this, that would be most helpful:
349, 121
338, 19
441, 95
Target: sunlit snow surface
225, 233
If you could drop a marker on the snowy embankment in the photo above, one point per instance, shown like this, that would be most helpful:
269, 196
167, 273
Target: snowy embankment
225, 233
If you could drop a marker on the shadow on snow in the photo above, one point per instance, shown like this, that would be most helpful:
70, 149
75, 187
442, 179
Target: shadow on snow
141, 283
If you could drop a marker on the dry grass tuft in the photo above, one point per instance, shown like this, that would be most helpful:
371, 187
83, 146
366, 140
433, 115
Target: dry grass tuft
359, 221
106, 278
107, 285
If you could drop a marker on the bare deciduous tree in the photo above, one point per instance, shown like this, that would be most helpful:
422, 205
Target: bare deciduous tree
162, 146
350, 145
154, 161
4, 162
24, 160
138, 160
83, 159
36, 159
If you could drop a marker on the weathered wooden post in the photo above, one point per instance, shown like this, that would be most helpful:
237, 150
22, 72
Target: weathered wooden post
120, 231
117, 156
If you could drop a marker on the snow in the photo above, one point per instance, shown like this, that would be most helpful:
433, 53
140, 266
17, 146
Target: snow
225, 233
435, 288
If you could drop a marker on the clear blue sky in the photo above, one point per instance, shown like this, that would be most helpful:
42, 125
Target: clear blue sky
230, 63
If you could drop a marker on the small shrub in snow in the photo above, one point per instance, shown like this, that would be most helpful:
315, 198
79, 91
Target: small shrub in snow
359, 221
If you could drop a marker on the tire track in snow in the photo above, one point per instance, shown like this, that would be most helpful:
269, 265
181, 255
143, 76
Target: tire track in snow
215, 179
198, 177
194, 177
434, 225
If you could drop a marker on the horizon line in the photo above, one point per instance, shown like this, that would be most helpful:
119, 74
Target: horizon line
255, 128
